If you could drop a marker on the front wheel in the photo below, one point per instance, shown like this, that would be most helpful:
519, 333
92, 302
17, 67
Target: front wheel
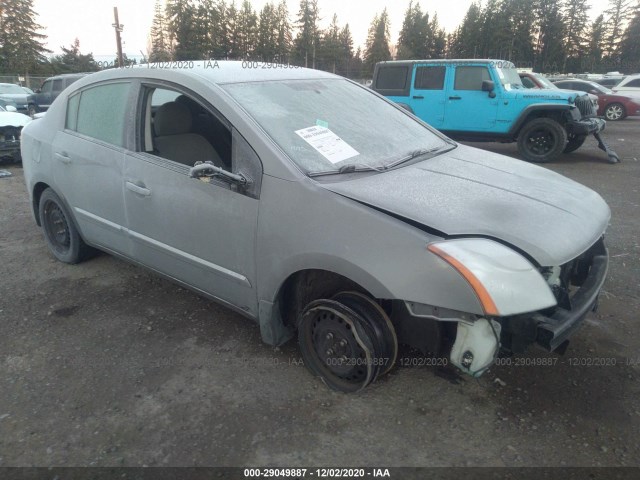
542, 140
348, 341
574, 143
615, 112
60, 233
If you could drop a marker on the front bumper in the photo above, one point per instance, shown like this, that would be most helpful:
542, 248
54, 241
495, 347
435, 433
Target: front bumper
586, 126
555, 329
552, 328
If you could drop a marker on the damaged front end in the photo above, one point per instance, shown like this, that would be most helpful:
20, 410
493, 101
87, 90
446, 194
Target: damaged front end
10, 143
473, 342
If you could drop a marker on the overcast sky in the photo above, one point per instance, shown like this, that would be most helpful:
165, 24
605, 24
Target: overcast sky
91, 20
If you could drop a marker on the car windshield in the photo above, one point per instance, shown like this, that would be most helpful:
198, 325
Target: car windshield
601, 88
331, 124
509, 77
545, 82
11, 89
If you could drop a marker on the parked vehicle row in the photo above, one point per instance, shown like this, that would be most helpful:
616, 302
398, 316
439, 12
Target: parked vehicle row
613, 106
322, 210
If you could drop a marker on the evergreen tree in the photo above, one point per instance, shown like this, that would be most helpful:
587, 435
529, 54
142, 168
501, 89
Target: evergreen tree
283, 35
346, 53
617, 15
233, 32
377, 48
438, 42
21, 45
596, 45
331, 47
73, 61
465, 41
415, 35
630, 45
575, 15
247, 31
550, 46
307, 40
181, 24
160, 49
267, 34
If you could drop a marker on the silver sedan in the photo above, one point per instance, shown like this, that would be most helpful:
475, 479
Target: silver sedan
317, 208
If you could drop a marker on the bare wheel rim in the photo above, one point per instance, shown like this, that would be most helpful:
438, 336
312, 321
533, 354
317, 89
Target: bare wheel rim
541, 141
336, 347
614, 112
57, 227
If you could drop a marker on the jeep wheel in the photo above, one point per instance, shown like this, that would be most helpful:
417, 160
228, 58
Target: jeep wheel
615, 112
542, 140
574, 143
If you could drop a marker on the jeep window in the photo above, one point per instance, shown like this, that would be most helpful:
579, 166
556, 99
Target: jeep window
100, 112
57, 85
372, 131
509, 77
430, 78
470, 78
392, 78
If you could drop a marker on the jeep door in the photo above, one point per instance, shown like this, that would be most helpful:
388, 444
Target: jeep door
199, 231
88, 151
428, 96
468, 108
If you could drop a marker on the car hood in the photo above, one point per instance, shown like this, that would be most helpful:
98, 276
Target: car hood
472, 192
13, 119
15, 97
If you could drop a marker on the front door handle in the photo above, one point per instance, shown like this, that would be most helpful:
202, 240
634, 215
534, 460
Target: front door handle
455, 98
418, 97
137, 189
63, 157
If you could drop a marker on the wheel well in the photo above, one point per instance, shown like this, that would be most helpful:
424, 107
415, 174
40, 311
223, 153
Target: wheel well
37, 193
304, 286
557, 115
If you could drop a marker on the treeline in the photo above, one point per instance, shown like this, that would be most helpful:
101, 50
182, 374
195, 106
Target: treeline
547, 35
552, 35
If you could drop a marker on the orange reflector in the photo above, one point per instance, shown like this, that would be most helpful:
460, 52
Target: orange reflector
485, 299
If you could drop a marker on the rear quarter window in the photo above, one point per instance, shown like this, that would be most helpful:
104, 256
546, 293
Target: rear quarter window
99, 112
393, 80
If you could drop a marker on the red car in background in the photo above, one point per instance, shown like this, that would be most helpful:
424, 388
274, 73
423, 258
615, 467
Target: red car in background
537, 80
613, 106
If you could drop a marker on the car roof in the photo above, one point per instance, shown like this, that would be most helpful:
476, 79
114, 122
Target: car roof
215, 72
505, 63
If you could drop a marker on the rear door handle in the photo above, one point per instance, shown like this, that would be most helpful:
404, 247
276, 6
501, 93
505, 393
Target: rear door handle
455, 98
137, 189
63, 157
418, 97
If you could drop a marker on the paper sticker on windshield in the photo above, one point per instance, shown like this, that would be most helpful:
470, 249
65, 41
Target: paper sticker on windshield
331, 146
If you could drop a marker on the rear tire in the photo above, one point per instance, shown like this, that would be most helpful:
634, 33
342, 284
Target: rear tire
574, 143
60, 232
542, 140
615, 112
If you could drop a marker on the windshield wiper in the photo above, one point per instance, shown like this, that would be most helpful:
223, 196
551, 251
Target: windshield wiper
412, 155
350, 168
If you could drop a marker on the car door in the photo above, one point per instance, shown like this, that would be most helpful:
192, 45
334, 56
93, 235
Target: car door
427, 93
201, 232
89, 152
43, 97
467, 107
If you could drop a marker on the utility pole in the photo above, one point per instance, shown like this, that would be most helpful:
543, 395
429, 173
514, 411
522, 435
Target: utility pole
119, 29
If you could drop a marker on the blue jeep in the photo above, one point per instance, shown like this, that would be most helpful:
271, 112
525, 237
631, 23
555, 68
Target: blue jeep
484, 100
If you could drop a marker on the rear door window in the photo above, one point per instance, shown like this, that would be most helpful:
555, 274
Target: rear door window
430, 78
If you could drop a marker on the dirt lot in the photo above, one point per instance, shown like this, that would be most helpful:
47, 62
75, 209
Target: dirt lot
104, 364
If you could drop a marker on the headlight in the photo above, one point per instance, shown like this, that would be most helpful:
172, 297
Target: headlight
504, 281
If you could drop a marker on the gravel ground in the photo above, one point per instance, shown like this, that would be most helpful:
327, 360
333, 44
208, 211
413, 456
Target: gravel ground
104, 364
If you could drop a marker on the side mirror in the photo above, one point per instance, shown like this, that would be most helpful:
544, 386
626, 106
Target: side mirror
489, 86
11, 108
